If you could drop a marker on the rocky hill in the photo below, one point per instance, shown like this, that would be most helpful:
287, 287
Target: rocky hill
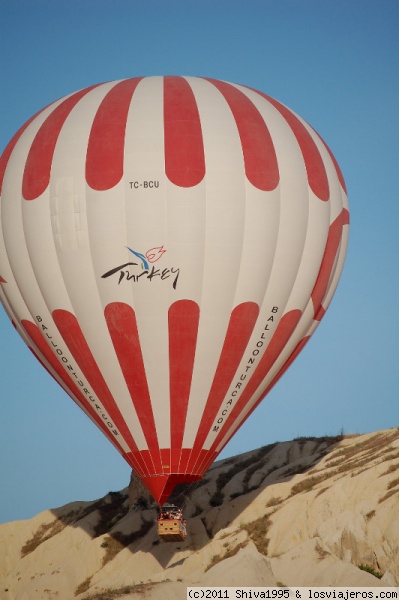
311, 512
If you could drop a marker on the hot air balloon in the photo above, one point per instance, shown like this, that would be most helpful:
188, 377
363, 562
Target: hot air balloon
168, 246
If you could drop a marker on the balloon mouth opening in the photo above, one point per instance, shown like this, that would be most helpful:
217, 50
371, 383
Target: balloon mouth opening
162, 486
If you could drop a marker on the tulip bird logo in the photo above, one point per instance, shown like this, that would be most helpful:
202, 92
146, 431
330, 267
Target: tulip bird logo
151, 255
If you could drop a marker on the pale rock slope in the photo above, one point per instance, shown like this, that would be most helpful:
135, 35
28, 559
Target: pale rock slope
311, 512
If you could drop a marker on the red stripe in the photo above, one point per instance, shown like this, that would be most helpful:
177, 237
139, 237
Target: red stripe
184, 149
261, 397
37, 338
145, 457
5, 157
280, 338
135, 460
184, 458
105, 152
2, 280
202, 459
241, 325
122, 326
315, 168
183, 329
208, 457
72, 334
328, 262
261, 167
38, 164
298, 349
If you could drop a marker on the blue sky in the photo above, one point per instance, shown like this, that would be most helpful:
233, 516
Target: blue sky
335, 62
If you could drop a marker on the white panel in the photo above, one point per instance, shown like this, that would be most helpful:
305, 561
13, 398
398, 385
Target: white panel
221, 227
302, 234
307, 325
24, 300
11, 216
146, 228
75, 211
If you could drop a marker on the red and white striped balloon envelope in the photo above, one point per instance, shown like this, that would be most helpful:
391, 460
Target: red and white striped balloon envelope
168, 245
